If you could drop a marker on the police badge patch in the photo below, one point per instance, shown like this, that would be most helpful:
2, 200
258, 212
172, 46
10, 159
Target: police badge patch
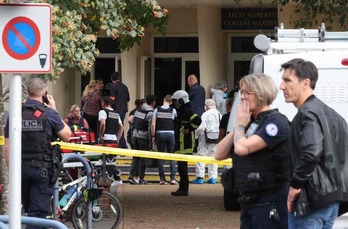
271, 129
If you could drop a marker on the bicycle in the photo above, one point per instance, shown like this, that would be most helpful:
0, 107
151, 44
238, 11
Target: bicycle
106, 210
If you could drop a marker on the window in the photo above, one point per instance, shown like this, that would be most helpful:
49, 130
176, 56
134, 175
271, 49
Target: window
107, 45
176, 45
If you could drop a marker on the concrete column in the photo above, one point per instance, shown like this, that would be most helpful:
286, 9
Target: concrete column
130, 71
130, 75
210, 46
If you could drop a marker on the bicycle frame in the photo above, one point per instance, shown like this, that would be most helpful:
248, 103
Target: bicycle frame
81, 183
88, 186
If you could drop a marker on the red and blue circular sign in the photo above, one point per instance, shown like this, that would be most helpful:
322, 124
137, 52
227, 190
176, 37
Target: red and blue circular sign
21, 38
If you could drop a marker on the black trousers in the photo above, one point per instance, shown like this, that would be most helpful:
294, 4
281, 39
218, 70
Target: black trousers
37, 191
183, 173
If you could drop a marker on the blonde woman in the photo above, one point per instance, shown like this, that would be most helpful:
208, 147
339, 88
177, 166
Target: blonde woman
90, 103
260, 151
74, 118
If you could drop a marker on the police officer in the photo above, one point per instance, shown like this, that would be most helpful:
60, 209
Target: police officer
142, 137
40, 123
188, 121
111, 130
162, 129
259, 144
111, 127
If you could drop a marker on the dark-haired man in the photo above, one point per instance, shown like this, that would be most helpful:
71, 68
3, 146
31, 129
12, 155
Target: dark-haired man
142, 137
111, 130
319, 151
119, 92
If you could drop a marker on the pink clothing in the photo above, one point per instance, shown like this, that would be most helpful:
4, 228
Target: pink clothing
93, 104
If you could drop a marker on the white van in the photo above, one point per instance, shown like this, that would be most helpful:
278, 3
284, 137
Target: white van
327, 50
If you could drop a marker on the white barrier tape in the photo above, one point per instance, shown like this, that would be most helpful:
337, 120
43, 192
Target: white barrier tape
142, 153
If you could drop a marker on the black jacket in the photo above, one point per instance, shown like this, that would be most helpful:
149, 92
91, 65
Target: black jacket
121, 94
187, 119
319, 156
197, 99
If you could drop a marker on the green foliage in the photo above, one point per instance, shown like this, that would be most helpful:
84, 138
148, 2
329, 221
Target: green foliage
76, 25
313, 12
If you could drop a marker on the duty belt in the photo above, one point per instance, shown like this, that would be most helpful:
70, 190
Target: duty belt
37, 163
250, 197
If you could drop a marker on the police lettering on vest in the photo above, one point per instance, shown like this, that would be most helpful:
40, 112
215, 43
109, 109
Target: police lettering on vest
164, 119
36, 142
32, 125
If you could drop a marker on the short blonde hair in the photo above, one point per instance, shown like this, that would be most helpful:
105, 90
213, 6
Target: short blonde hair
73, 107
262, 85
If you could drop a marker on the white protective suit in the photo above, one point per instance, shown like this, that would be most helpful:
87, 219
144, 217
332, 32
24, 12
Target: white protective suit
218, 97
210, 123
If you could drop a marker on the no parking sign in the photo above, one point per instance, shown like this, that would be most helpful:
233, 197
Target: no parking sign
26, 39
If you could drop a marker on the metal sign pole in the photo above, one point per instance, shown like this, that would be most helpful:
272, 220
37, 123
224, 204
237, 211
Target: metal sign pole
15, 151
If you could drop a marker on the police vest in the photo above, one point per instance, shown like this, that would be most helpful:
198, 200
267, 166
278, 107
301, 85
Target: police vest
36, 143
71, 122
111, 125
140, 121
272, 165
164, 119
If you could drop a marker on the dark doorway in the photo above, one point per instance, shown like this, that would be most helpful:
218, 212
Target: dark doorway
191, 67
167, 77
241, 68
103, 68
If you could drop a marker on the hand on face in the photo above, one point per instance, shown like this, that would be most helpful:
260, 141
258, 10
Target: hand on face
243, 113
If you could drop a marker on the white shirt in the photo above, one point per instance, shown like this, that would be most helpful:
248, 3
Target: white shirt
102, 115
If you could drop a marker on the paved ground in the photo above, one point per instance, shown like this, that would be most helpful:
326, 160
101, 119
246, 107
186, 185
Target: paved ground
152, 206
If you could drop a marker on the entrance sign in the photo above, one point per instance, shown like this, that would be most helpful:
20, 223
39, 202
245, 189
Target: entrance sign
249, 18
26, 41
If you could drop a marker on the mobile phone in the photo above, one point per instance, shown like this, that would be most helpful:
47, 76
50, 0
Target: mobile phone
44, 98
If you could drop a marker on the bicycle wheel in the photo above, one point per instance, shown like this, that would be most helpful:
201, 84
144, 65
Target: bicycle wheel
106, 212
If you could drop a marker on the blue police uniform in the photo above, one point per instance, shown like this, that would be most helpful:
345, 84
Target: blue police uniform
39, 125
262, 177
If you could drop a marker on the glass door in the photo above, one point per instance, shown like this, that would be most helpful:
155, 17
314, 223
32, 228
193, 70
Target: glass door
240, 67
190, 65
104, 65
145, 80
242, 50
167, 76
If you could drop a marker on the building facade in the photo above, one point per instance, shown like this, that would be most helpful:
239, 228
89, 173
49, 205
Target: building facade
210, 38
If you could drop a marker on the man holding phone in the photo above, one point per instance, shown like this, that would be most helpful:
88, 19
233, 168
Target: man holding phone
40, 123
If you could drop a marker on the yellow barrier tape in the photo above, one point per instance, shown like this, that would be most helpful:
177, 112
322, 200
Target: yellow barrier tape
2, 140
141, 153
